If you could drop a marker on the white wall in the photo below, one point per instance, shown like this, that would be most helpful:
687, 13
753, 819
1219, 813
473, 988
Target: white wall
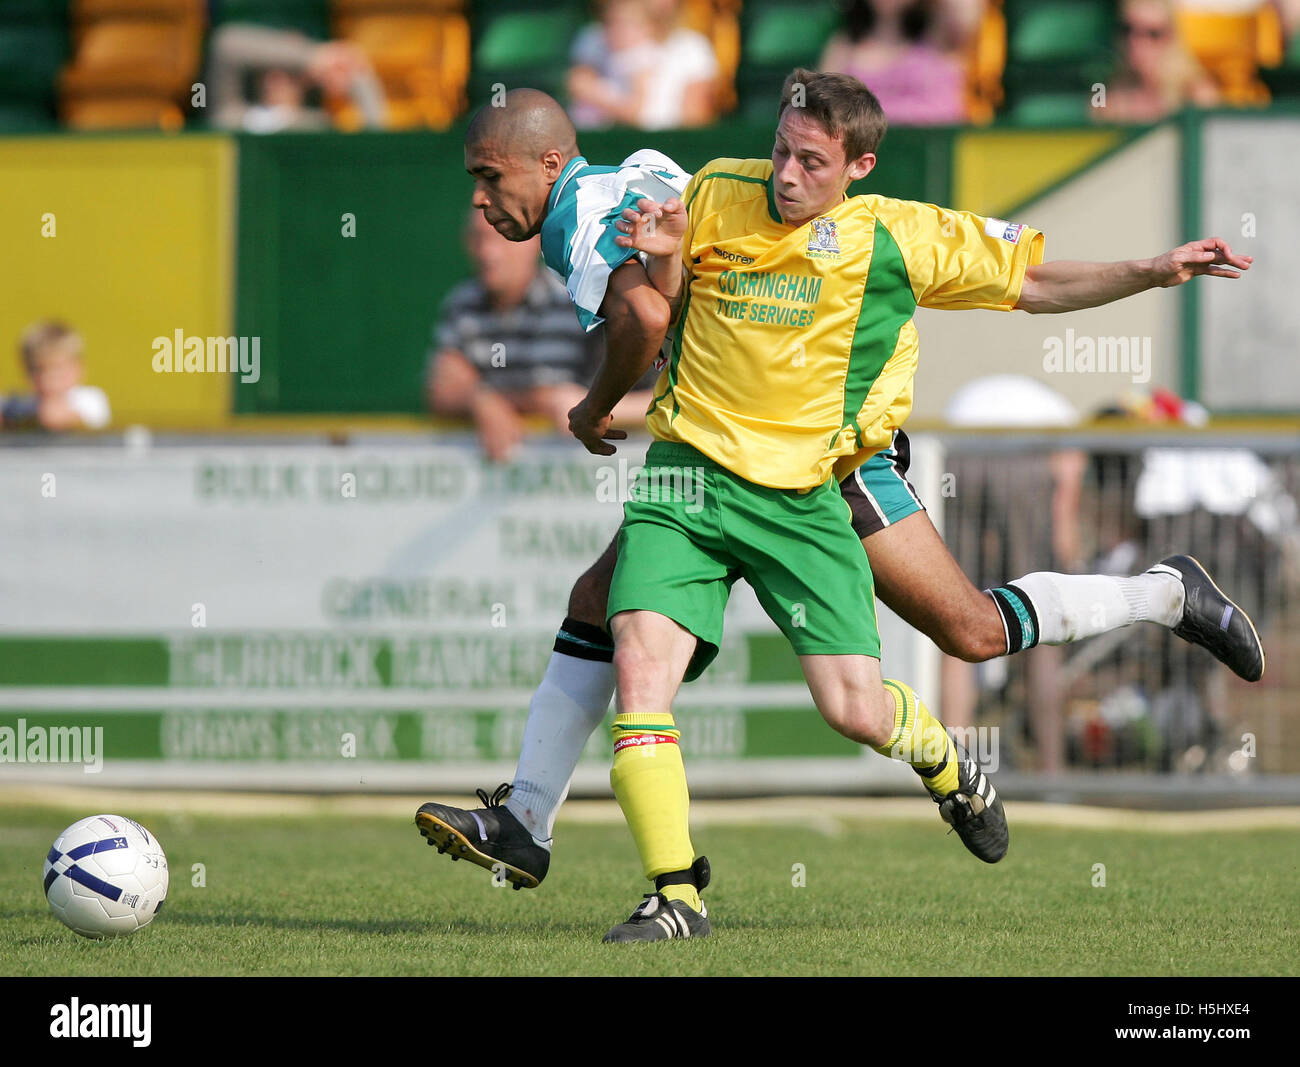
1126, 207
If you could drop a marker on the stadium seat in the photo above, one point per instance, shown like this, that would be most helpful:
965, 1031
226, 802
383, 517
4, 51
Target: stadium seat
1232, 48
33, 48
133, 63
1284, 78
1052, 31
523, 47
1049, 109
123, 112
986, 61
308, 17
719, 21
420, 50
29, 117
30, 57
777, 37
1056, 47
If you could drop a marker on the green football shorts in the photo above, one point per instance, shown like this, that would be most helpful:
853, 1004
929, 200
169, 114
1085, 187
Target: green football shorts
691, 528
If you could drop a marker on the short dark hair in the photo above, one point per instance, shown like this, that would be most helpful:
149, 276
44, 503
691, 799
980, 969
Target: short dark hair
840, 104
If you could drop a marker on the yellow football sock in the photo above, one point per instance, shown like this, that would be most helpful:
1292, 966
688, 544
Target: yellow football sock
919, 739
649, 780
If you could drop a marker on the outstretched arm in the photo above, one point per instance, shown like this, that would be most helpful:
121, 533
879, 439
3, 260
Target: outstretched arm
1066, 285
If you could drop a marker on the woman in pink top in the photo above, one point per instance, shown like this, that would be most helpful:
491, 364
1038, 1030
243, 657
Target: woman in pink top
910, 54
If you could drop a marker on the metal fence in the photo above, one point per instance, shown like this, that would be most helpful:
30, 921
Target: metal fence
1138, 698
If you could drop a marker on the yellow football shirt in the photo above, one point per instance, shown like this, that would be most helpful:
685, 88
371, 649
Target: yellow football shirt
794, 355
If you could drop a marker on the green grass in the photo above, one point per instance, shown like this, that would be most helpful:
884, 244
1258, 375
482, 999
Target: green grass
363, 896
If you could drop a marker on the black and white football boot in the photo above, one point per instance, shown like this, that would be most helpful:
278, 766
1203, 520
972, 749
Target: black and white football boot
1213, 621
489, 836
974, 810
659, 919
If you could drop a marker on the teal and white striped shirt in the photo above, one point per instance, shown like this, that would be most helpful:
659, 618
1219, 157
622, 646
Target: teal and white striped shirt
585, 203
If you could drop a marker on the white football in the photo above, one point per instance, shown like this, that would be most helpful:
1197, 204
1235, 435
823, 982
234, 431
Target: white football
105, 876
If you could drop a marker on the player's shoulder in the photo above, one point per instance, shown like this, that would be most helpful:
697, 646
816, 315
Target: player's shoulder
728, 167
891, 207
732, 178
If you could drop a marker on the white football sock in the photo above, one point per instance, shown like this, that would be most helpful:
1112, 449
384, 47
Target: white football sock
569, 704
1071, 607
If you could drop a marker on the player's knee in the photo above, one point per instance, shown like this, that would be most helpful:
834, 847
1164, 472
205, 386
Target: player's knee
975, 634
639, 674
858, 714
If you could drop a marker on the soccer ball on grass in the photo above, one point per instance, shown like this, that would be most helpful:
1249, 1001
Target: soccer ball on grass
105, 876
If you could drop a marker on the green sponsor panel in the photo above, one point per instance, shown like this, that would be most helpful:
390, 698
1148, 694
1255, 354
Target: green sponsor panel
333, 659
773, 733
83, 661
771, 659
348, 242
445, 735
126, 735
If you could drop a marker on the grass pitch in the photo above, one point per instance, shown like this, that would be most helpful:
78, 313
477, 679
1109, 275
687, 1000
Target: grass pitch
334, 893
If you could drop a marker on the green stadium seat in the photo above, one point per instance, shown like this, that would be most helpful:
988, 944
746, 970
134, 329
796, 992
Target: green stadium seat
775, 38
31, 54
55, 11
1049, 109
26, 117
526, 38
787, 35
1044, 31
1056, 51
1284, 79
521, 47
309, 17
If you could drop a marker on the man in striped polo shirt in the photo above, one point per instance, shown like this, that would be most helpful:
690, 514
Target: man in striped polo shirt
507, 345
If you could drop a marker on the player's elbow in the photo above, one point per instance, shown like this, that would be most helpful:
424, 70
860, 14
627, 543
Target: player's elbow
633, 308
650, 311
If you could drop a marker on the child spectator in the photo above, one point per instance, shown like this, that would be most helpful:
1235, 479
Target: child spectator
638, 67
52, 357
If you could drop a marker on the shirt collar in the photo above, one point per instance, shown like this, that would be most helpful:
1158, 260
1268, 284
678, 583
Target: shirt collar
570, 169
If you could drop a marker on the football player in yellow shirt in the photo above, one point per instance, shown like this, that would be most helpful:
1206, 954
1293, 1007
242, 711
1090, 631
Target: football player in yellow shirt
792, 362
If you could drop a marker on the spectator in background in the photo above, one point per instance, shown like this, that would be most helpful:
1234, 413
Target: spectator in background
910, 53
508, 345
52, 357
283, 66
639, 67
1156, 75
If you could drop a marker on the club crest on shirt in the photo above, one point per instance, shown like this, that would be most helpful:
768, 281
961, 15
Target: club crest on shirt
823, 242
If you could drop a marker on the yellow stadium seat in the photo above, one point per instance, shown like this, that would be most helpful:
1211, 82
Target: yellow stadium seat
1232, 48
986, 63
420, 50
719, 21
133, 62
123, 112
